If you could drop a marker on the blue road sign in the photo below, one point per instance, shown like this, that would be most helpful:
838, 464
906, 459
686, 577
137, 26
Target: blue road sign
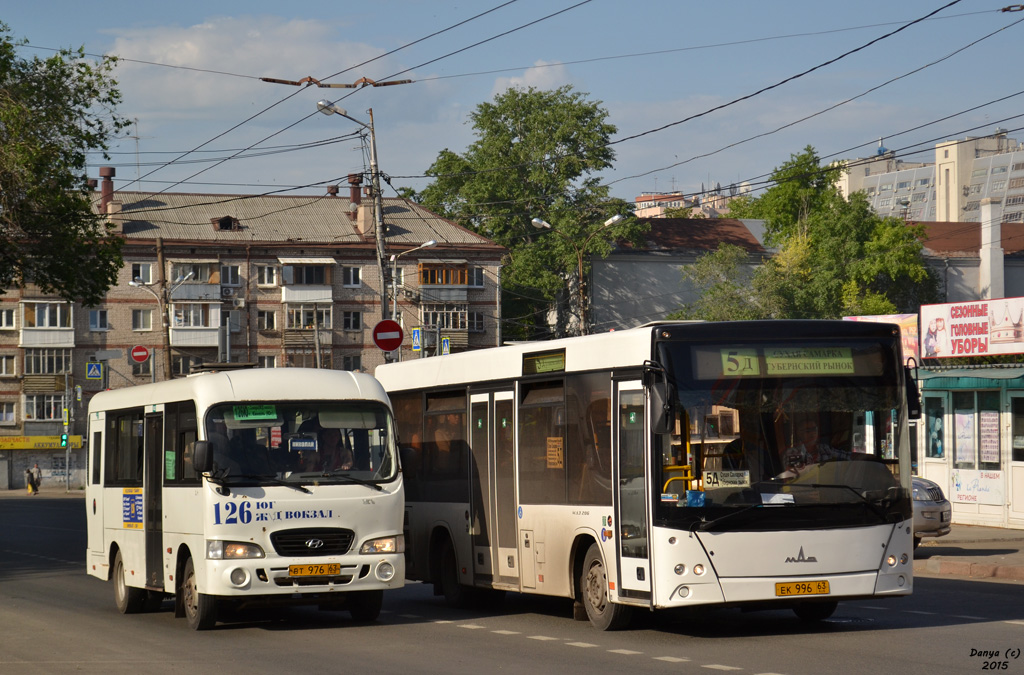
94, 371
446, 346
417, 339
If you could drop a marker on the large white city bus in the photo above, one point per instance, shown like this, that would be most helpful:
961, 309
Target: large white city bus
228, 489
666, 466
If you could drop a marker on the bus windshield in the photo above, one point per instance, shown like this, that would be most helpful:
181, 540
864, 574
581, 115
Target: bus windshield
322, 442
782, 425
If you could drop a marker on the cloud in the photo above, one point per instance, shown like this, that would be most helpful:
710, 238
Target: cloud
542, 75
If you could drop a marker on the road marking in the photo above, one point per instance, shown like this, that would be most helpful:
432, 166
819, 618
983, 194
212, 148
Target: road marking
580, 644
443, 621
716, 666
626, 652
542, 637
670, 659
506, 632
471, 626
917, 611
967, 616
1017, 623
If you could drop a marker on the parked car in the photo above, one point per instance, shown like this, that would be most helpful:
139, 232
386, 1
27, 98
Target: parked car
932, 511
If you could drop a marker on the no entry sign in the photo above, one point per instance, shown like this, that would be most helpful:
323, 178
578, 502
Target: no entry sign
139, 354
387, 335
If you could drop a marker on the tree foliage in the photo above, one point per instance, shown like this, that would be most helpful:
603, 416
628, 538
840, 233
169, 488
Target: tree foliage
52, 112
835, 256
536, 155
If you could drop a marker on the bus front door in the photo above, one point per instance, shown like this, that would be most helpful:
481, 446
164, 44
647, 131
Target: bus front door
631, 533
152, 501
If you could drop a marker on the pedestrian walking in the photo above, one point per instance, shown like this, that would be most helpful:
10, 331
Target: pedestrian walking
37, 478
30, 481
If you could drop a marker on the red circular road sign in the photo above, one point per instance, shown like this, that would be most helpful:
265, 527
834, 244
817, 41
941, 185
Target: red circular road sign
139, 354
387, 335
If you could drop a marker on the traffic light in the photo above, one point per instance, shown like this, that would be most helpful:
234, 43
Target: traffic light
63, 440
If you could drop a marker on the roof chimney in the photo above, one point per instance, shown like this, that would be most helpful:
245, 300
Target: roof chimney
107, 187
354, 181
990, 267
332, 190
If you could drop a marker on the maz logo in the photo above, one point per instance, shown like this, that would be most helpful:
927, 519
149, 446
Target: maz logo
800, 557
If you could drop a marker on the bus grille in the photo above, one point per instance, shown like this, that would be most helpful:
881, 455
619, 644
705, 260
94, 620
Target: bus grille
304, 542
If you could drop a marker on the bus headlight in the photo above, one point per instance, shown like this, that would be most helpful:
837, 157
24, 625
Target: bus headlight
224, 550
392, 544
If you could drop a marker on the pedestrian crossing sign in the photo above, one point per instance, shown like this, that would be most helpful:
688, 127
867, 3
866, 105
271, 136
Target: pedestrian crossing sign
94, 371
417, 339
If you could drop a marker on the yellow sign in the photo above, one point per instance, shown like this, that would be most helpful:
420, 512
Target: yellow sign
555, 455
809, 361
37, 442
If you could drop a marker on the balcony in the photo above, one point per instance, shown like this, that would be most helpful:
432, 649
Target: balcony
47, 337
306, 295
195, 336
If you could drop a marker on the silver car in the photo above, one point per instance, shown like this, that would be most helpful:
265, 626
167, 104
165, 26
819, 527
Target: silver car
932, 511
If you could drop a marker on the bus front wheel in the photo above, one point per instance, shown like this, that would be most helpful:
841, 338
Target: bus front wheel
129, 600
604, 614
200, 609
364, 606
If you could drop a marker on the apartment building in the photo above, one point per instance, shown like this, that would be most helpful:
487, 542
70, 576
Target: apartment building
272, 281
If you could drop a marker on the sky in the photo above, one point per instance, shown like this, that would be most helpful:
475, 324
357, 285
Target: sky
682, 81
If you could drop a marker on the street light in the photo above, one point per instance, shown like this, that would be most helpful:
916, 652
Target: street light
580, 250
328, 108
394, 274
162, 304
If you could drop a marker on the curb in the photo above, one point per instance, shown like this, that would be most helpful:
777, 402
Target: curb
969, 569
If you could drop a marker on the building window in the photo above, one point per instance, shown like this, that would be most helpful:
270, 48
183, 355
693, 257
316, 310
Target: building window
884, 202
354, 363
306, 358
266, 362
976, 430
266, 320
308, 316
7, 318
266, 275
1014, 200
998, 169
979, 172
143, 272
975, 189
47, 361
442, 275
7, 412
1013, 217
1016, 183
350, 277
971, 206
998, 185
305, 275
352, 320
885, 188
476, 277
200, 272
1019, 166
476, 322
7, 362
924, 182
98, 319
446, 315
869, 191
192, 315
46, 315
903, 185
918, 197
142, 319
144, 368
44, 407
229, 275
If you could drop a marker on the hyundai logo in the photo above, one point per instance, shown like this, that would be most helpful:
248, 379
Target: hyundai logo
314, 543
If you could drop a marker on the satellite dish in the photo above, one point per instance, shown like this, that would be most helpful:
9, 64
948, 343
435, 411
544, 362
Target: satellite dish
732, 190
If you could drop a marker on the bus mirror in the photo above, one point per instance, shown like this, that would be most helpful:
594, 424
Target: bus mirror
202, 456
660, 397
913, 395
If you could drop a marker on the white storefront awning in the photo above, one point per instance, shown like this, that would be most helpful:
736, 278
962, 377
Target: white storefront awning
306, 261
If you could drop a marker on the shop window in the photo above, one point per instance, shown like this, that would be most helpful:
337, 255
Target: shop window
934, 414
976, 430
1017, 411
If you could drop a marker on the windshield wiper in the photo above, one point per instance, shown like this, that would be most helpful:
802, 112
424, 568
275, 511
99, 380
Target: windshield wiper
352, 479
882, 515
271, 479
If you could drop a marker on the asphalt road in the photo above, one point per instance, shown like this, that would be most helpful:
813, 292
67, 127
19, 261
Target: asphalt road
56, 619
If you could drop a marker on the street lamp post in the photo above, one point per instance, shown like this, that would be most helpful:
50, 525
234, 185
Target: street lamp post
164, 309
580, 250
328, 108
394, 280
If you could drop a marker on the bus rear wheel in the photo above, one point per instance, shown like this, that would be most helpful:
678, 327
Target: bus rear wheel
603, 614
200, 609
130, 600
455, 594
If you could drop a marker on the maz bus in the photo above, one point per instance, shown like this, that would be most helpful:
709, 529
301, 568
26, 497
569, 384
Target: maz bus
663, 467
226, 489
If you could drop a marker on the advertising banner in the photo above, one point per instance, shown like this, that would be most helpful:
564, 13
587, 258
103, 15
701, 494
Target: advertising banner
908, 330
972, 328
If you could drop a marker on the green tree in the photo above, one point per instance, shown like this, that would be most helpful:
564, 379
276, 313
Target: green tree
724, 280
536, 155
835, 256
52, 112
